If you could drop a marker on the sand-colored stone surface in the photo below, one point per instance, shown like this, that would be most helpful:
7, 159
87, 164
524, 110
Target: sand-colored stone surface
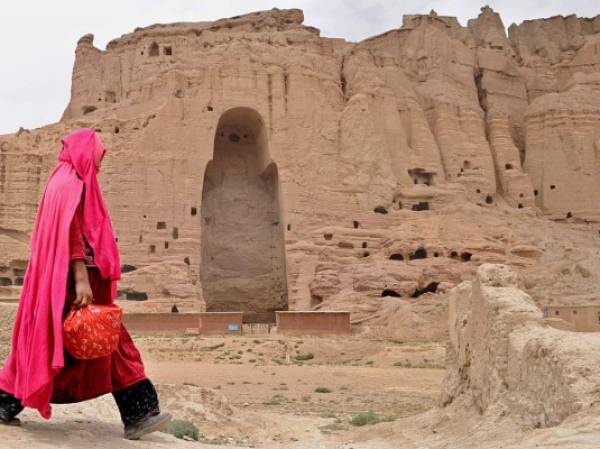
252, 161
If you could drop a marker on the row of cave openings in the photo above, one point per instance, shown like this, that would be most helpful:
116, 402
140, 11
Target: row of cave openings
416, 207
154, 50
11, 276
421, 253
429, 288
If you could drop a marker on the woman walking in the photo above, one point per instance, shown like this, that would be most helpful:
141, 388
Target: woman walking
74, 261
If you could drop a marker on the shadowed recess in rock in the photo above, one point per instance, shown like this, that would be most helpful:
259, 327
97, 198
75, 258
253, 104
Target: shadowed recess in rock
242, 236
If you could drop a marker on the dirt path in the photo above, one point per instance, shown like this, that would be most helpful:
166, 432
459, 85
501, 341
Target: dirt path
400, 391
293, 390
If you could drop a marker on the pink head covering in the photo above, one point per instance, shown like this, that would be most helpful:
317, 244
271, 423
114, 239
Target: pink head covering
84, 150
80, 149
37, 346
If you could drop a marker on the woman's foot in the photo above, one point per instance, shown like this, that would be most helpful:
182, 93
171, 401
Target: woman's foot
8, 420
147, 425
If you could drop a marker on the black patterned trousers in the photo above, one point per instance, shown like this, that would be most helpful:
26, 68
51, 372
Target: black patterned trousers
135, 403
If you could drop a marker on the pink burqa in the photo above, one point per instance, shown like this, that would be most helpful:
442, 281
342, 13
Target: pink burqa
37, 345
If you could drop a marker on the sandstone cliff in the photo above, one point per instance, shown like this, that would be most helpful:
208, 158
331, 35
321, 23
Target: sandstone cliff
255, 164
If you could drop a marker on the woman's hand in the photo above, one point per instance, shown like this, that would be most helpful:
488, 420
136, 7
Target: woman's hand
83, 290
84, 295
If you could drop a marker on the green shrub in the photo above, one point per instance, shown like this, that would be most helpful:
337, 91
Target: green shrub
369, 417
322, 390
181, 428
305, 356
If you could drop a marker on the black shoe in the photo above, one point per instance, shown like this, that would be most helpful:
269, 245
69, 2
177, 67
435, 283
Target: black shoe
147, 425
8, 420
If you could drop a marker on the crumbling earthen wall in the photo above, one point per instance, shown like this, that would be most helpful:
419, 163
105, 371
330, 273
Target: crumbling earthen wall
506, 361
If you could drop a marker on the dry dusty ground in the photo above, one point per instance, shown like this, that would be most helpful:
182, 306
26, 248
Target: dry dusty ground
246, 392
256, 391
273, 391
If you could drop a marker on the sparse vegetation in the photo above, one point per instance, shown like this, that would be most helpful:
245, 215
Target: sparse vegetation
369, 418
181, 428
333, 427
305, 356
213, 347
424, 364
276, 400
322, 390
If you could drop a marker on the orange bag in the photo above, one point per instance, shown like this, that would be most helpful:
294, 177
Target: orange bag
92, 331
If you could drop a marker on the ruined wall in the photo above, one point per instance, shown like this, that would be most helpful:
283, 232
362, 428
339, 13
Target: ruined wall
579, 318
505, 361
359, 136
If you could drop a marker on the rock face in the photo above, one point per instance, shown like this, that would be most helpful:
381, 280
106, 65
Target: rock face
7, 317
236, 145
507, 362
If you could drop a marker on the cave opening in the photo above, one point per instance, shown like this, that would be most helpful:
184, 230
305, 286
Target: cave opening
430, 288
389, 292
420, 253
315, 300
466, 256
243, 254
420, 206
421, 176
